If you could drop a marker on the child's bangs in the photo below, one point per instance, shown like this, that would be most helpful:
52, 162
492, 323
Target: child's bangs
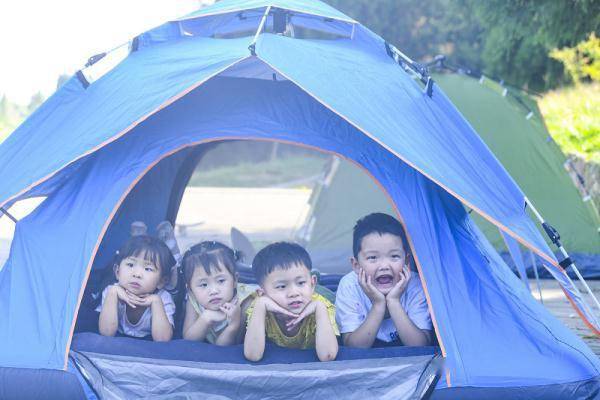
215, 261
211, 262
148, 254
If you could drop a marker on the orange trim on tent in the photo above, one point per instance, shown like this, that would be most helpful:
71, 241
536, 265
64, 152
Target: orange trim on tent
575, 306
99, 241
224, 138
480, 212
594, 330
577, 309
122, 133
489, 218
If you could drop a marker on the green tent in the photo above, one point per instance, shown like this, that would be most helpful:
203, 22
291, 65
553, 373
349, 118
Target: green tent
512, 126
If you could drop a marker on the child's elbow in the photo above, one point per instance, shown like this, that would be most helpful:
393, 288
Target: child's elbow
107, 331
162, 336
253, 356
328, 354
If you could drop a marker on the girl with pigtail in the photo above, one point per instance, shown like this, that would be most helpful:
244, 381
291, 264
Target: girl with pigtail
212, 311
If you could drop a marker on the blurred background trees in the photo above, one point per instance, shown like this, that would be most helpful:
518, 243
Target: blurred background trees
510, 40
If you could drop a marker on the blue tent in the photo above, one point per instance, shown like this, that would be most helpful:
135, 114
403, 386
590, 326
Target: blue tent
107, 150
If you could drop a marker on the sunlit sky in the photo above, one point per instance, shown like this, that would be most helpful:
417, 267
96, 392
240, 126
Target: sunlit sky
40, 40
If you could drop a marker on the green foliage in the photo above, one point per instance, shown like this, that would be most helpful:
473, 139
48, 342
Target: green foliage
519, 35
421, 29
573, 119
506, 39
581, 62
12, 114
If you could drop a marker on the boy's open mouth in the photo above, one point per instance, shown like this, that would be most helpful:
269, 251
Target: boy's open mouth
215, 301
385, 279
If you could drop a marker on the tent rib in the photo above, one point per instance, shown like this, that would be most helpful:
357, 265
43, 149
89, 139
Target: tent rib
467, 203
122, 133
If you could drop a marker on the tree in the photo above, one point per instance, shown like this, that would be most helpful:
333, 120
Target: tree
422, 29
36, 100
520, 34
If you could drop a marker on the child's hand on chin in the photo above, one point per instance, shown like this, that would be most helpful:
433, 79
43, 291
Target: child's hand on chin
232, 311
370, 290
270, 305
311, 308
400, 286
124, 295
213, 317
143, 300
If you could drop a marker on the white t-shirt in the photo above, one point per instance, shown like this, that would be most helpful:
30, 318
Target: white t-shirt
352, 306
143, 327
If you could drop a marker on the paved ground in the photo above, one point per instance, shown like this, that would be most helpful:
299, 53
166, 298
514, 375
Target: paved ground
554, 299
267, 215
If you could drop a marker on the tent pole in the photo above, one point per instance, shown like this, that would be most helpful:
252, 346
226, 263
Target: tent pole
567, 261
263, 20
9, 215
537, 277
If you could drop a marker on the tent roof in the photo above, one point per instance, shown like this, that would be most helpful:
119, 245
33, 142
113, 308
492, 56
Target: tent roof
379, 99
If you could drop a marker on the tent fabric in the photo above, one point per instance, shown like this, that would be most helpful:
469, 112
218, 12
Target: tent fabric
267, 115
529, 154
39, 384
124, 94
87, 344
397, 95
517, 257
185, 350
119, 377
521, 144
133, 126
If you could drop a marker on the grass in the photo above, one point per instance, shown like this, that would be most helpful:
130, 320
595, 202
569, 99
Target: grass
261, 174
573, 119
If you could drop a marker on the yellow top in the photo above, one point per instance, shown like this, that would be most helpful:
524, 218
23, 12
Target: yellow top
305, 338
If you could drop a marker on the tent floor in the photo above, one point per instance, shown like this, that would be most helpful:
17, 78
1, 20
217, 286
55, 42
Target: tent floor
202, 352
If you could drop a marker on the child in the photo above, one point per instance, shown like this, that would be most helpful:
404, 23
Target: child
212, 312
136, 305
286, 309
381, 299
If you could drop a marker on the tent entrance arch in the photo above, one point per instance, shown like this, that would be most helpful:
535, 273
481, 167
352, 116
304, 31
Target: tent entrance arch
170, 188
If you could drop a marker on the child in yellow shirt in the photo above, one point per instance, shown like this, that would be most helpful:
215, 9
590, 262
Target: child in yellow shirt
286, 310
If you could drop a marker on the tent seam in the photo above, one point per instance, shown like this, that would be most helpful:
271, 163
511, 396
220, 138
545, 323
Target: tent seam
485, 215
121, 133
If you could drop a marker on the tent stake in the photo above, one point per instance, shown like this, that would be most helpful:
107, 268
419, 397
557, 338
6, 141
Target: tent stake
567, 261
3, 211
